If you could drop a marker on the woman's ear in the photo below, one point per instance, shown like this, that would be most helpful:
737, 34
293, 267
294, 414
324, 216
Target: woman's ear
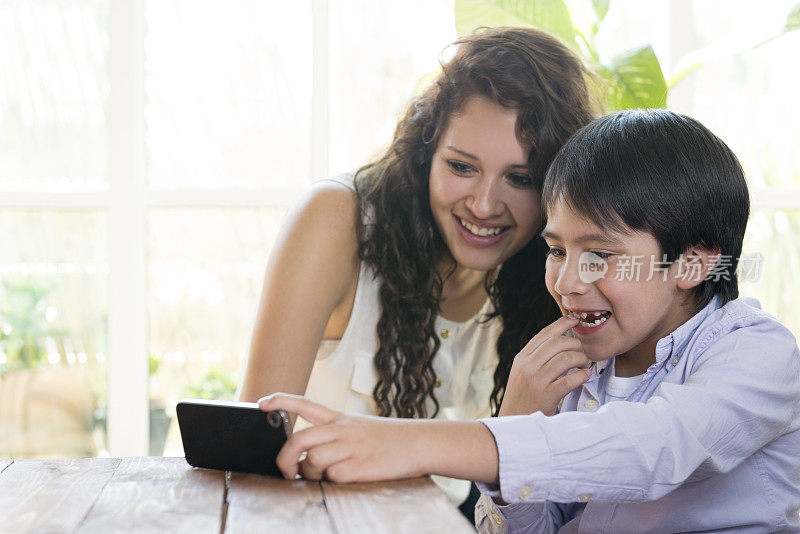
695, 264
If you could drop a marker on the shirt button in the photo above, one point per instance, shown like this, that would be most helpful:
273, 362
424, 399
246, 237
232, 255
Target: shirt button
585, 497
438, 383
591, 404
497, 518
445, 333
525, 493
675, 361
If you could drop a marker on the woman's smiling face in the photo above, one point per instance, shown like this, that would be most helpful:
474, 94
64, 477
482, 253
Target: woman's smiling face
481, 194
631, 310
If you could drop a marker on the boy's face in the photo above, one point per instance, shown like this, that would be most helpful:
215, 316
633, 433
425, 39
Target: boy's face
632, 310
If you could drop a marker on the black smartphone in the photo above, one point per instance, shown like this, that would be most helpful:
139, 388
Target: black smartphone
232, 436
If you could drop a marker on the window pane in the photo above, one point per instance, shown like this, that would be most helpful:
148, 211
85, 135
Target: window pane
750, 99
773, 233
375, 68
53, 92
204, 278
53, 315
228, 89
629, 24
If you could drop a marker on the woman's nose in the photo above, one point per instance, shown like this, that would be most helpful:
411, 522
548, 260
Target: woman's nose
485, 200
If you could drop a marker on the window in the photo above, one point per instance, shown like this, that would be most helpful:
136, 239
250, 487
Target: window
156, 148
150, 148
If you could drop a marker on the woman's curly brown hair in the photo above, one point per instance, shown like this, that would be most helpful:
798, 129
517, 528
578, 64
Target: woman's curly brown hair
523, 69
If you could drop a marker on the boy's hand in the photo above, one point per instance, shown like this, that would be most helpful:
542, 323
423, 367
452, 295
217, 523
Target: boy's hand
344, 447
534, 383
357, 448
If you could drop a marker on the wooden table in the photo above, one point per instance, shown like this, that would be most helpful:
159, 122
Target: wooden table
158, 494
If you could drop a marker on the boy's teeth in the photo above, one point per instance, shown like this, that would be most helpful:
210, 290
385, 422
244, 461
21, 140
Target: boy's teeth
597, 318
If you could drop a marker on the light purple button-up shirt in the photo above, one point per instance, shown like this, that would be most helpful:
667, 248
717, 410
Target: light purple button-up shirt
709, 441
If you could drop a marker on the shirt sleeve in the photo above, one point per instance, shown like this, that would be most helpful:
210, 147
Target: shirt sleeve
536, 517
743, 392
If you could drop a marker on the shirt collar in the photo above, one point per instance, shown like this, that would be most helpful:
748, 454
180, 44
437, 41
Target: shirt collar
597, 368
678, 340
675, 342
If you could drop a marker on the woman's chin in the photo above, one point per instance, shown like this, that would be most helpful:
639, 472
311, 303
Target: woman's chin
480, 258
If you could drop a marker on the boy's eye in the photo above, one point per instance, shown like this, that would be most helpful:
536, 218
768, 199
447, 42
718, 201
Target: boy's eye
520, 180
459, 167
602, 255
555, 252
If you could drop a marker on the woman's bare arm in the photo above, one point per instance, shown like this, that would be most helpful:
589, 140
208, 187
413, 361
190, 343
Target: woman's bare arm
308, 288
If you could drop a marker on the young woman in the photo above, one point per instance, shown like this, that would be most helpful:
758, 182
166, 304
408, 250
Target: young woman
407, 289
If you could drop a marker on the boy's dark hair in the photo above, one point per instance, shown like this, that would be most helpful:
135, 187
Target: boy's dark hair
656, 171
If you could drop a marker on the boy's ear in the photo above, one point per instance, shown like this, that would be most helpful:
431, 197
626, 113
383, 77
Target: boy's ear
695, 264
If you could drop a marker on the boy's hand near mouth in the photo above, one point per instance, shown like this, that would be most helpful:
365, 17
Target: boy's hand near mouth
537, 381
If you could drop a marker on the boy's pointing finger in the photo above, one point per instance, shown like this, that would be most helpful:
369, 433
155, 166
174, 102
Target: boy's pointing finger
309, 410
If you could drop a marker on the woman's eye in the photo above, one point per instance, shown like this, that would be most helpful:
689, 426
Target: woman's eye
602, 255
555, 252
520, 180
459, 167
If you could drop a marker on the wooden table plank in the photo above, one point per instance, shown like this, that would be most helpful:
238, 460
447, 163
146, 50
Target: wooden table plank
155, 494
415, 505
266, 504
51, 495
158, 494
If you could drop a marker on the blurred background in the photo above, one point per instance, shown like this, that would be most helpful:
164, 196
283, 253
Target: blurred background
150, 148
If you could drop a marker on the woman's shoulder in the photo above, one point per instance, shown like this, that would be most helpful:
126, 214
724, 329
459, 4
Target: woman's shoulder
345, 180
319, 235
333, 190
316, 251
329, 206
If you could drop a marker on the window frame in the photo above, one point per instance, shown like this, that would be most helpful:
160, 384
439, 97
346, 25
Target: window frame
126, 199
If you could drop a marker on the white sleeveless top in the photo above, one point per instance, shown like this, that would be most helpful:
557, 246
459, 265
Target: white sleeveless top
344, 374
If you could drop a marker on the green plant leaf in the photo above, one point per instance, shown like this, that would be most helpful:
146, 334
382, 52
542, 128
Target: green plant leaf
793, 20
23, 307
219, 383
600, 8
552, 16
154, 362
634, 80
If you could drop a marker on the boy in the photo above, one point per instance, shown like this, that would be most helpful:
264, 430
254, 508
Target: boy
660, 402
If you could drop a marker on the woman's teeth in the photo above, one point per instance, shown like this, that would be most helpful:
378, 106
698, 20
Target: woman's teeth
482, 231
594, 318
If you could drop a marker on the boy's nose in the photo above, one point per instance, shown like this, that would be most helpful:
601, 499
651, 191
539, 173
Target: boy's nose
569, 281
485, 200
